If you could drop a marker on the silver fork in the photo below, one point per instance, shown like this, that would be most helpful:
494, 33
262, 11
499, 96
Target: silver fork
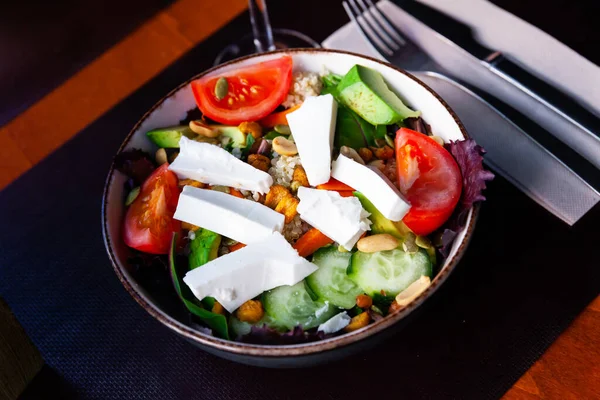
386, 38
511, 152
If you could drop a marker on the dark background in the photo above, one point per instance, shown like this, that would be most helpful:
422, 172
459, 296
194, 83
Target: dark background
43, 43
525, 276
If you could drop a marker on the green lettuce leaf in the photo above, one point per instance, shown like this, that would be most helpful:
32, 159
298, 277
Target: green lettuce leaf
217, 322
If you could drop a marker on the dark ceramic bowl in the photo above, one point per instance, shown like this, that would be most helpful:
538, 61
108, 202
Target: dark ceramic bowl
167, 309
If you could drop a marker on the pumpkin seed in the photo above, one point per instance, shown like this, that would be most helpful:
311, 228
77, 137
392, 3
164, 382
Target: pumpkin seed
351, 153
423, 242
220, 188
342, 249
376, 309
438, 140
389, 141
221, 88
131, 196
381, 142
283, 129
409, 246
229, 242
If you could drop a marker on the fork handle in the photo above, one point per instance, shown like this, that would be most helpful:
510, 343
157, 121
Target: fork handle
261, 26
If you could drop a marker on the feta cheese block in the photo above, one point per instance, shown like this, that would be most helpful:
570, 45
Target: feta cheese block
335, 323
243, 220
374, 185
207, 163
313, 128
237, 277
342, 219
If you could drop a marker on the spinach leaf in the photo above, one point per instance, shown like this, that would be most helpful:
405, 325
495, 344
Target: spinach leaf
249, 142
217, 322
353, 131
229, 146
383, 302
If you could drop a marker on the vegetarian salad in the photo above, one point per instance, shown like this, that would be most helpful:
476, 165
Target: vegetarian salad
291, 207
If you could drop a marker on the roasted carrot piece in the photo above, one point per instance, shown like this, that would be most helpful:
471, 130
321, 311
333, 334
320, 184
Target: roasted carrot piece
236, 193
346, 193
334, 184
278, 118
236, 246
311, 241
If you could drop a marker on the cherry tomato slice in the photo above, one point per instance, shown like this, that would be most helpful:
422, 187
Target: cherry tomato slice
430, 179
149, 223
253, 91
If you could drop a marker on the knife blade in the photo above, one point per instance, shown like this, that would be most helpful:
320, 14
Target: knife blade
553, 110
515, 155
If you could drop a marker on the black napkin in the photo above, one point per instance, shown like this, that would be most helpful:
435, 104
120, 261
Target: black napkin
524, 278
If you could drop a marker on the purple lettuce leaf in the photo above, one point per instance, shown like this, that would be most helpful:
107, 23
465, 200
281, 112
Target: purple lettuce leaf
418, 124
136, 164
469, 157
265, 335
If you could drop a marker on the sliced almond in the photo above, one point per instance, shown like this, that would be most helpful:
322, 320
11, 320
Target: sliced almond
284, 146
201, 128
413, 291
379, 242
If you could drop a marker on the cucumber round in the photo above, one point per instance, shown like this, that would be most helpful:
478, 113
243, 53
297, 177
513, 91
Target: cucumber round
330, 282
391, 271
291, 306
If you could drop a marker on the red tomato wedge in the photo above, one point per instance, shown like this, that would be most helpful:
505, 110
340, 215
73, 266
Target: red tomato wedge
430, 179
253, 91
149, 223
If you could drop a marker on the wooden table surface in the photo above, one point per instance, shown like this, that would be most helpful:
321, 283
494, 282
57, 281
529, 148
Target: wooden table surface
570, 369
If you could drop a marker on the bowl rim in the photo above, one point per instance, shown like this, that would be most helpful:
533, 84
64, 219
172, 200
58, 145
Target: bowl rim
277, 351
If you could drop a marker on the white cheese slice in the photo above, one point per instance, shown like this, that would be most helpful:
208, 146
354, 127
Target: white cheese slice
335, 323
313, 128
374, 185
207, 163
237, 277
239, 219
340, 218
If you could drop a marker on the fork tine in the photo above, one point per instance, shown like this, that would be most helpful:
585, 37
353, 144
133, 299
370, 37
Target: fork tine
387, 24
361, 9
381, 48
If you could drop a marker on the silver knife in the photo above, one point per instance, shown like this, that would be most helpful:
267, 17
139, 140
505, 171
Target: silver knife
510, 151
488, 70
515, 155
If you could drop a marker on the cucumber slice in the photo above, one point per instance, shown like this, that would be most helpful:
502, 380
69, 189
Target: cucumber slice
290, 306
330, 281
391, 271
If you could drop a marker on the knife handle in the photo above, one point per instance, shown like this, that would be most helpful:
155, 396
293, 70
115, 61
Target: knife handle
543, 92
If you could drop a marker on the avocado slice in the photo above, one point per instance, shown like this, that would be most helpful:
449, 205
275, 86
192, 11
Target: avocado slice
381, 224
169, 137
203, 248
238, 138
365, 92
